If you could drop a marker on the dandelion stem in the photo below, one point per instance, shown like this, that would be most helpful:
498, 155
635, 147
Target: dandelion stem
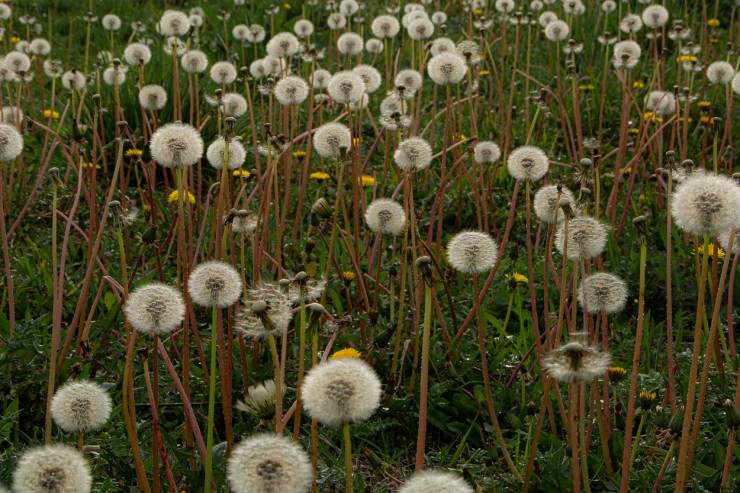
424, 385
211, 401
348, 457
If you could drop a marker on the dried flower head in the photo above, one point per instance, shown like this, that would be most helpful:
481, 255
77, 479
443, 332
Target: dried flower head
244, 222
214, 284
266, 463
81, 407
413, 154
11, 142
176, 144
486, 152
528, 163
576, 362
447, 68
291, 91
152, 97
346, 87
586, 238
472, 252
155, 308
52, 469
432, 481
602, 292
547, 200
385, 216
706, 204
330, 138
341, 391
217, 150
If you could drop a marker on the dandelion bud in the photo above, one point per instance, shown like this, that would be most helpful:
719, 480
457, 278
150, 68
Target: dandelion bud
267, 463
732, 415
385, 216
675, 425
214, 284
424, 264
432, 481
472, 252
52, 468
155, 308
321, 208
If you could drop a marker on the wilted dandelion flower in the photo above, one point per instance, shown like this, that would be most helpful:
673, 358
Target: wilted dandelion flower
341, 391
137, 53
330, 138
52, 469
350, 44
576, 362
431, 481
155, 308
217, 149
486, 152
626, 54
706, 204
447, 68
546, 201
557, 30
527, 163
655, 16
194, 62
472, 252
80, 407
11, 142
234, 104
40, 47
260, 400
176, 144
283, 45
346, 87
442, 45
223, 73
413, 154
370, 76
266, 463
586, 238
603, 292
661, 102
152, 97
214, 284
720, 73
385, 216
303, 28
291, 91
174, 23
630, 24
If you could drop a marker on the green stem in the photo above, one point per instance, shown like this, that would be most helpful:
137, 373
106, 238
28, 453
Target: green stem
637, 439
211, 402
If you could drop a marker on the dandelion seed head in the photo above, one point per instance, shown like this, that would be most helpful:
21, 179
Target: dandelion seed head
234, 104
431, 481
586, 238
155, 308
214, 284
557, 30
330, 138
240, 32
174, 23
176, 144
720, 73
409, 79
11, 142
374, 46
223, 73
136, 53
341, 391
603, 293
303, 28
735, 84
80, 406
392, 103
53, 68
662, 103
283, 45
74, 80
486, 152
724, 241
576, 362
350, 44
469, 51
546, 18
706, 204
447, 68
217, 149
472, 252
346, 87
257, 69
546, 201
266, 463
321, 79
111, 22
413, 16
421, 29
348, 7
291, 91
385, 216
413, 154
9, 114
442, 45
17, 61
370, 76
626, 54
630, 24
40, 47
439, 18
655, 16
5, 12
52, 469
273, 65
194, 62
336, 21
528, 163
244, 222
152, 97
267, 312
257, 34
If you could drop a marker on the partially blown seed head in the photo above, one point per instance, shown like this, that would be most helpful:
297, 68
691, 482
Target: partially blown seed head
576, 362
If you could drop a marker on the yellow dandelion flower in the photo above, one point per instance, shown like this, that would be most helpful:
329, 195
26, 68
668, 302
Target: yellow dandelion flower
320, 175
478, 12
346, 353
241, 173
174, 196
617, 372
134, 152
586, 87
348, 276
458, 137
366, 181
517, 277
484, 72
687, 58
706, 119
14, 39
714, 40
634, 130
647, 399
683, 119
704, 104
642, 198
638, 84
650, 117
87, 165
147, 208
51, 113
287, 6
299, 154
713, 22
356, 141
700, 251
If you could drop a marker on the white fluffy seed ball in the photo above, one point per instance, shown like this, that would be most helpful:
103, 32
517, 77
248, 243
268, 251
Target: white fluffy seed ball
291, 91
603, 293
217, 149
557, 30
176, 144
720, 73
114, 75
194, 62
346, 87
472, 252
330, 138
447, 68
234, 104
528, 163
52, 469
223, 72
152, 97
81, 407
706, 204
350, 44
155, 308
385, 26
586, 238
412, 154
431, 481
74, 80
267, 463
547, 201
410, 79
283, 45
385, 216
137, 53
11, 142
486, 152
370, 76
341, 391
655, 16
214, 284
